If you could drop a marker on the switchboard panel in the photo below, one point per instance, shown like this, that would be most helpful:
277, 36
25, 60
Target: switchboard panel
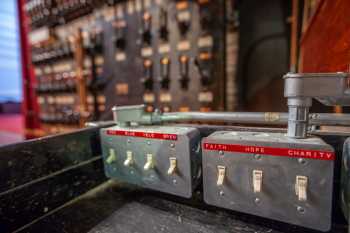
270, 175
168, 55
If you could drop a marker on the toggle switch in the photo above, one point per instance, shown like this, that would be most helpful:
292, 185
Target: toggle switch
221, 175
163, 29
129, 159
257, 180
301, 188
111, 157
164, 73
147, 79
147, 28
205, 67
120, 34
183, 19
149, 162
184, 70
172, 167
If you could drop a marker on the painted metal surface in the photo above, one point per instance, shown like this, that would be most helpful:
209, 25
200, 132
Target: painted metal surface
261, 175
161, 158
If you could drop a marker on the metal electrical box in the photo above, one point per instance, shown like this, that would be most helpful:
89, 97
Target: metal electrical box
270, 175
161, 158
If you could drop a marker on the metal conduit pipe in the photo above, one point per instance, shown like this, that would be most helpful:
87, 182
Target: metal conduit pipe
267, 118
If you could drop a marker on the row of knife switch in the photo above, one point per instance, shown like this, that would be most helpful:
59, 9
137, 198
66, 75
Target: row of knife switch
150, 163
301, 182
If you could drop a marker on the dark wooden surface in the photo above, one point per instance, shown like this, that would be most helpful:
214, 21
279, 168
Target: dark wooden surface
38, 176
117, 208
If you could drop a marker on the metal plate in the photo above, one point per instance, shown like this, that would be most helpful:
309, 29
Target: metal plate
281, 160
162, 142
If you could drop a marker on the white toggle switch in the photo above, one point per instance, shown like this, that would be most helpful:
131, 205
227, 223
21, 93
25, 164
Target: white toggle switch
129, 160
257, 180
301, 188
221, 175
149, 162
172, 167
111, 157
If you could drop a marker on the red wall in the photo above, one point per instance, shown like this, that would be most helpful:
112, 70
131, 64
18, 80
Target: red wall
325, 46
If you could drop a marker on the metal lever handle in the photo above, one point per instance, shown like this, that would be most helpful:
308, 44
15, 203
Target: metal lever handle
221, 175
149, 162
129, 159
172, 168
301, 188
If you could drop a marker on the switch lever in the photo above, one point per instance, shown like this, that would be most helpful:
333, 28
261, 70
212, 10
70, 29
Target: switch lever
172, 168
257, 180
129, 160
149, 162
221, 175
301, 188
111, 157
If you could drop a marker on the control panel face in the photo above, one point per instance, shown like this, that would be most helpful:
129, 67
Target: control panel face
270, 175
165, 159
166, 54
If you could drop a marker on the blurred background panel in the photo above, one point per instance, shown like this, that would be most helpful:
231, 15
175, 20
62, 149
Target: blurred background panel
11, 126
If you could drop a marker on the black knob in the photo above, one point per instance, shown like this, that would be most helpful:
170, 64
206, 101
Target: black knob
98, 45
147, 37
120, 35
163, 28
148, 83
184, 26
120, 43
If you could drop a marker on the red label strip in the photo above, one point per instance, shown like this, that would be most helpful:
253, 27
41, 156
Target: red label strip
288, 152
161, 136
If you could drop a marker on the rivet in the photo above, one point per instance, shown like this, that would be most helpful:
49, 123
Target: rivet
221, 193
174, 181
172, 145
257, 201
221, 152
300, 209
148, 143
128, 141
301, 161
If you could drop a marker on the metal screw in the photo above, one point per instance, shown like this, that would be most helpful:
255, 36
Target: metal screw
300, 209
128, 141
301, 161
174, 181
257, 156
221, 152
148, 143
172, 145
257, 201
221, 193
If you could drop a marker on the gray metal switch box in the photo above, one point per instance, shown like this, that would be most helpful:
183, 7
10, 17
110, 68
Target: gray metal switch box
162, 158
270, 175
